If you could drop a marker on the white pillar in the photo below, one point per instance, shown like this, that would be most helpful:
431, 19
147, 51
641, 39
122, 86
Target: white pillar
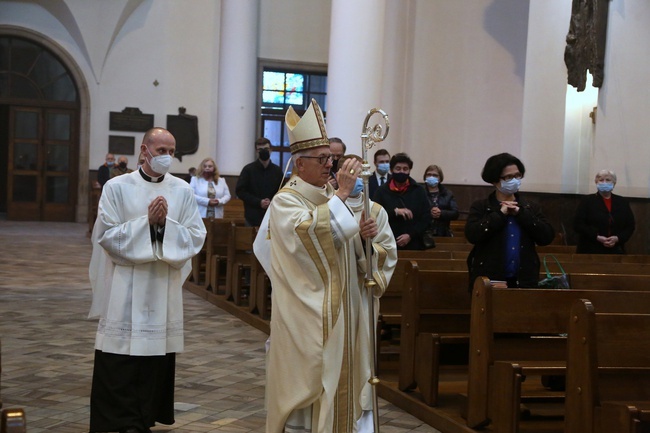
397, 74
237, 101
354, 77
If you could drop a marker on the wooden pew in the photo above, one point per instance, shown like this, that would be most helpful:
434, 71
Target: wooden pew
582, 275
608, 370
611, 258
390, 307
497, 365
217, 254
199, 275
601, 281
234, 209
240, 259
458, 228
260, 291
435, 317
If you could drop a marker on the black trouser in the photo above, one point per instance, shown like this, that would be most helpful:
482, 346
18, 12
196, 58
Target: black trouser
131, 391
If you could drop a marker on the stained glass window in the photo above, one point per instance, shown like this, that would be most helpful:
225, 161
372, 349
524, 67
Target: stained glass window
282, 88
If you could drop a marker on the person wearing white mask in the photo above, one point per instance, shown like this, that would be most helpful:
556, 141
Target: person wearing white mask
603, 221
443, 204
505, 228
148, 228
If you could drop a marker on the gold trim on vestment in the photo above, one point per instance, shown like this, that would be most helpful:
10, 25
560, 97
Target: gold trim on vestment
344, 400
323, 231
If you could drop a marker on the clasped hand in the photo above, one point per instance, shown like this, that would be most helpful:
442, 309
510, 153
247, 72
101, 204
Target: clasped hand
509, 207
607, 241
158, 211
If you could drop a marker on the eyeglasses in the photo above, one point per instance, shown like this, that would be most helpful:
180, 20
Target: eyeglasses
517, 176
322, 159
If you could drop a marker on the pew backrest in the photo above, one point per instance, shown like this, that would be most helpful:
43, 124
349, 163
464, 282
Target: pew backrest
608, 360
525, 312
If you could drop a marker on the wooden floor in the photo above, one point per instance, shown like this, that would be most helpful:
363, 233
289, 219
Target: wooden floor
539, 418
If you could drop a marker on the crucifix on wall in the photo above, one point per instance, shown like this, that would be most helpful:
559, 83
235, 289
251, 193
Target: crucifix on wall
585, 42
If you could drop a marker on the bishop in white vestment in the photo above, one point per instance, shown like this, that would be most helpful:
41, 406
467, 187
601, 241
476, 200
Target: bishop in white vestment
315, 376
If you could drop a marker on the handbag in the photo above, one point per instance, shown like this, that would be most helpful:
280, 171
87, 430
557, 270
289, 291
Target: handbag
428, 241
554, 281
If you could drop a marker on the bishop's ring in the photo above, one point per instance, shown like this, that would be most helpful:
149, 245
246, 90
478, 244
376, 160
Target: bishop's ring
352, 171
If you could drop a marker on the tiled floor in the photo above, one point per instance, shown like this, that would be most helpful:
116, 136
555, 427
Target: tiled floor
47, 344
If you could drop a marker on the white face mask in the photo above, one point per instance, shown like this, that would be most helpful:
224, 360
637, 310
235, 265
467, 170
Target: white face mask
161, 163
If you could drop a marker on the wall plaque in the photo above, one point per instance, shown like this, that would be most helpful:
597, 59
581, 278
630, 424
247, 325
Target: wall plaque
185, 129
121, 145
130, 119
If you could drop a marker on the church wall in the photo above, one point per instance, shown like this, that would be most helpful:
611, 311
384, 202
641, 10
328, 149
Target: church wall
466, 82
622, 127
545, 93
295, 30
175, 44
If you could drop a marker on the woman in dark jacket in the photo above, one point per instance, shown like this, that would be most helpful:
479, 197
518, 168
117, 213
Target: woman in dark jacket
505, 228
441, 200
406, 204
604, 221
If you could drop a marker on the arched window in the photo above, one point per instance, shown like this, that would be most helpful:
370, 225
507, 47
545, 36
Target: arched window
30, 72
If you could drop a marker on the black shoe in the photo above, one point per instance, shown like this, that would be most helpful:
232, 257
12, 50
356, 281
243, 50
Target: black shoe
130, 430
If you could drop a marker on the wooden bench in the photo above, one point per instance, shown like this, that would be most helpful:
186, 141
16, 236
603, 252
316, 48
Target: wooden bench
458, 227
582, 275
516, 333
240, 260
206, 265
608, 369
260, 291
435, 318
218, 239
198, 276
234, 209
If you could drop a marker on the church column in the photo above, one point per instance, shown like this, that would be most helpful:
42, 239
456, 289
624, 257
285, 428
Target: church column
397, 74
354, 81
237, 102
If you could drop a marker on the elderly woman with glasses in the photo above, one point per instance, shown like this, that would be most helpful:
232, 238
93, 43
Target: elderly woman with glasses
505, 227
604, 221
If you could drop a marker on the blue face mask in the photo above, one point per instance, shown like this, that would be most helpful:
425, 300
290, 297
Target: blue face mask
605, 186
510, 186
431, 181
358, 187
383, 167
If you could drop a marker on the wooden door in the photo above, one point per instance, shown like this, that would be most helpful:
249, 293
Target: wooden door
42, 168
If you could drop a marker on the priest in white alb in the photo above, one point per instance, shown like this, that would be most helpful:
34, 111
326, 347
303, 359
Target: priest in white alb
148, 228
314, 256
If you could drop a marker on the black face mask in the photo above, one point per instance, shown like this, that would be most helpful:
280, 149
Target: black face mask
264, 154
122, 165
400, 177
